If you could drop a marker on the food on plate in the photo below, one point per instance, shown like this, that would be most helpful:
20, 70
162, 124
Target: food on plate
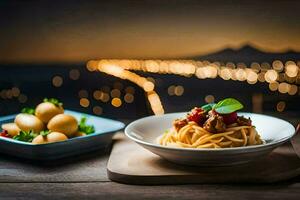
212, 126
49, 138
48, 109
46, 123
27, 122
11, 128
66, 124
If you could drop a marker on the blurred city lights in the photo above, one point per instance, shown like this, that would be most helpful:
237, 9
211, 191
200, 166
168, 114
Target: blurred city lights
280, 77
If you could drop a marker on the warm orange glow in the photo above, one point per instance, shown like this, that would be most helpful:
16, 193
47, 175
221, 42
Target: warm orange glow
271, 76
291, 70
200, 69
116, 102
84, 102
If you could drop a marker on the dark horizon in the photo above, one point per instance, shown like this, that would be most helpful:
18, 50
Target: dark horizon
247, 53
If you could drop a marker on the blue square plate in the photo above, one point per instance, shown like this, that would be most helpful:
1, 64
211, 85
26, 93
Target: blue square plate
104, 130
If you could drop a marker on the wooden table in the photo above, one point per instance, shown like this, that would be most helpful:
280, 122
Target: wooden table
85, 177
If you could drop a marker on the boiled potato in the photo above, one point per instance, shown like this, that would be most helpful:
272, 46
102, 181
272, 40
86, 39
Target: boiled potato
78, 134
28, 122
46, 110
39, 140
11, 128
50, 138
66, 124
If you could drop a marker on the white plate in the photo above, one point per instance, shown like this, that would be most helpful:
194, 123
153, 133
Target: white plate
272, 130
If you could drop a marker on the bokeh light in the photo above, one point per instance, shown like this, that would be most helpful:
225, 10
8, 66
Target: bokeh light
280, 106
84, 102
291, 70
105, 97
284, 81
128, 98
97, 94
293, 90
115, 93
116, 102
277, 65
97, 110
273, 86
57, 81
74, 74
271, 76
283, 87
130, 90
209, 99
179, 90
171, 90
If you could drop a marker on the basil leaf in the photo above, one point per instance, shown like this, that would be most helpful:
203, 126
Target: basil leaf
227, 106
208, 107
28, 111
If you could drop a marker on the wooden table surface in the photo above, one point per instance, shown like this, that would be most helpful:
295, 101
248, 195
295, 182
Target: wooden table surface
84, 177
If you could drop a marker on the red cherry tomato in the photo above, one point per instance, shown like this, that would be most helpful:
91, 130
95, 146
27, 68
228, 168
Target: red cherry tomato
229, 118
4, 134
197, 115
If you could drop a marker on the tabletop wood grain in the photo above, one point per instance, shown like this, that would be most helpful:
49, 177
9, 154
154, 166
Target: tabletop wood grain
84, 177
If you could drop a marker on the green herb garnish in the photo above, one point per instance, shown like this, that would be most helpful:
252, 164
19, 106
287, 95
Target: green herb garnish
227, 106
44, 133
208, 107
54, 101
25, 136
83, 127
28, 110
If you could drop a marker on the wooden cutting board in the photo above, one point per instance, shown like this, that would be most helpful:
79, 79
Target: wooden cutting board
131, 164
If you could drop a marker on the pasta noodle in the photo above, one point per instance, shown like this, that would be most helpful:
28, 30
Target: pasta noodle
193, 136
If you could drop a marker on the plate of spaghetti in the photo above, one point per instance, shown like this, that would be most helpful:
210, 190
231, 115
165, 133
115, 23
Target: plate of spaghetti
214, 134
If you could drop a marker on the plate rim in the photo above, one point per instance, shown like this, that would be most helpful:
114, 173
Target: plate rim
254, 147
9, 140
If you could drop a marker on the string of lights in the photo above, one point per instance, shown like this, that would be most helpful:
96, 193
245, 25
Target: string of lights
284, 78
122, 73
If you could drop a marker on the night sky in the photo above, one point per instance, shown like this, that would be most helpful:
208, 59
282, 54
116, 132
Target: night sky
75, 31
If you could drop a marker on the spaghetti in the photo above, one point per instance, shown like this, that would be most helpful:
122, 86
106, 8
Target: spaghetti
194, 136
209, 129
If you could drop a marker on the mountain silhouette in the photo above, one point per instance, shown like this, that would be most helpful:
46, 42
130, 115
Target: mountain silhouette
248, 54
